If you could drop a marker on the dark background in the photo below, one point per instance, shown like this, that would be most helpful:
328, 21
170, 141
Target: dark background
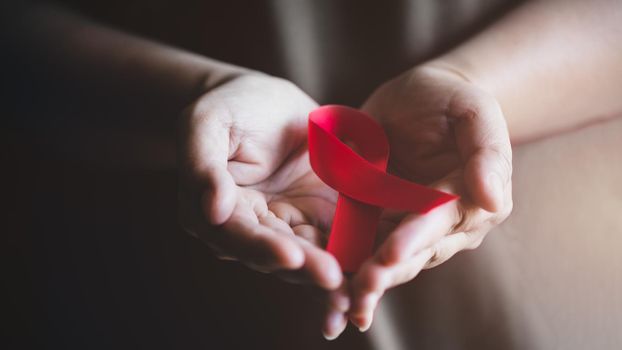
93, 256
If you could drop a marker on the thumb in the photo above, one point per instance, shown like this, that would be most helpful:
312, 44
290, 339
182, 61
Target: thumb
484, 143
487, 176
204, 152
219, 194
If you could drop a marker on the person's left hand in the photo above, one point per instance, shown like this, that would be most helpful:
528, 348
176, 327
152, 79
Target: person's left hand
445, 132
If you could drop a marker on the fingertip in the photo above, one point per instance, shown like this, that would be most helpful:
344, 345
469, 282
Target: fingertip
291, 258
331, 283
495, 191
364, 317
329, 336
485, 186
358, 322
277, 253
334, 324
366, 325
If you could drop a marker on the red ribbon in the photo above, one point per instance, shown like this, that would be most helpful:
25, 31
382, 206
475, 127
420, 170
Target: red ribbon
360, 177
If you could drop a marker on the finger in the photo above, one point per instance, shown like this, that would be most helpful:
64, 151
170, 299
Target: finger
483, 140
256, 245
320, 268
270, 220
310, 233
487, 175
372, 281
362, 317
365, 293
204, 152
334, 324
335, 320
449, 245
417, 232
376, 277
339, 299
219, 194
299, 220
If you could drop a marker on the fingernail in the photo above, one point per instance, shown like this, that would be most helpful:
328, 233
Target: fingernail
366, 325
370, 301
330, 337
495, 184
359, 322
333, 324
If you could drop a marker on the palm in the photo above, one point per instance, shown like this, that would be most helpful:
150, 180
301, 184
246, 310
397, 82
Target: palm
245, 142
269, 160
417, 111
295, 196
423, 144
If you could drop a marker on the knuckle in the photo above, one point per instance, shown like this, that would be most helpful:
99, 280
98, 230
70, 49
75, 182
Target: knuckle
392, 254
375, 281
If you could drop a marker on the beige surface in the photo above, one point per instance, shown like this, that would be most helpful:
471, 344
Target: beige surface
550, 277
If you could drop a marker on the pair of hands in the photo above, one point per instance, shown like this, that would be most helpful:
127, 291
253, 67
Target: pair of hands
247, 189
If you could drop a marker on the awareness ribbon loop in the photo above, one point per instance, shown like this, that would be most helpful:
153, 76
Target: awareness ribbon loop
360, 177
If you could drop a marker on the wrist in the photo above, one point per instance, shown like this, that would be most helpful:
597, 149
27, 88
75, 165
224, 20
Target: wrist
214, 74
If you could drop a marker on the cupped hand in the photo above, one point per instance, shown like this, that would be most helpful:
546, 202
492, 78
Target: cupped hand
447, 133
247, 189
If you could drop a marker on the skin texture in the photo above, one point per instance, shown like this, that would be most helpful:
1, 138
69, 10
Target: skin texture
448, 122
553, 66
252, 180
246, 188
446, 132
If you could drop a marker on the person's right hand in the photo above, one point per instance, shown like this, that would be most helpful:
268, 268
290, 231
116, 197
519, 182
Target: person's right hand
247, 188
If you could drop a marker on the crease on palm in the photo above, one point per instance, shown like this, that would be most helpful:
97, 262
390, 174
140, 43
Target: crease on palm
290, 195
